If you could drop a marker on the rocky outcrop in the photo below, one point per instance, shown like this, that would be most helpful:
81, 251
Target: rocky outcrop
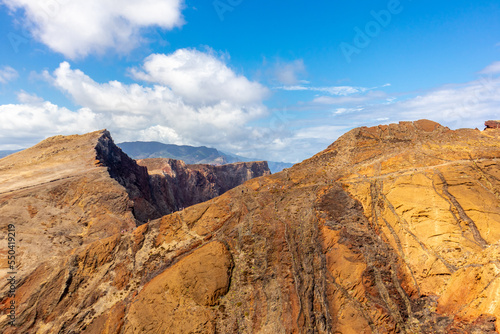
391, 229
492, 124
130, 175
175, 185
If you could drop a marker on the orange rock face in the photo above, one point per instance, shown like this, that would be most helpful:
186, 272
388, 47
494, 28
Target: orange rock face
183, 292
391, 229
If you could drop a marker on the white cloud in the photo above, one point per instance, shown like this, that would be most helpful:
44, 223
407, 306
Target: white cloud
77, 28
112, 96
466, 105
25, 124
492, 68
333, 90
199, 78
7, 74
168, 111
211, 106
346, 110
350, 100
463, 105
26, 98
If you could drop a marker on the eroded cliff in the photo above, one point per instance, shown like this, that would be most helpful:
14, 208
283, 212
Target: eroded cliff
175, 185
392, 229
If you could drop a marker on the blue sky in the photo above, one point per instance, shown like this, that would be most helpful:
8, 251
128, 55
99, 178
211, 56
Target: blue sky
267, 80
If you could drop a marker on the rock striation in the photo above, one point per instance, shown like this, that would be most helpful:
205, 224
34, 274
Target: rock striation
391, 229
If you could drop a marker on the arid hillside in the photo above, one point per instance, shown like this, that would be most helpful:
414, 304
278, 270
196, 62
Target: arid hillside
69, 191
391, 229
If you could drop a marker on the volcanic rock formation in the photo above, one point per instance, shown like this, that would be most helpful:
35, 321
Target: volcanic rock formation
492, 124
69, 191
391, 229
175, 185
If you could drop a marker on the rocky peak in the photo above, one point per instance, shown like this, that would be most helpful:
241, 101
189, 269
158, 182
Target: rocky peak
60, 196
130, 175
402, 132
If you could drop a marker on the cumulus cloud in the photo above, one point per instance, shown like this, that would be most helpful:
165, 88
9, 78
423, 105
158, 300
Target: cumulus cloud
112, 96
27, 98
186, 112
196, 99
77, 28
199, 78
28, 123
7, 74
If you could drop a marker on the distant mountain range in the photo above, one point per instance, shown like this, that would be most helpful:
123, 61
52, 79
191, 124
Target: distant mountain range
190, 154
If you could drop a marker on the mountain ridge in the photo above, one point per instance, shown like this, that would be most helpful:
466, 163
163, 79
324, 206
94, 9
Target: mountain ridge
190, 154
69, 191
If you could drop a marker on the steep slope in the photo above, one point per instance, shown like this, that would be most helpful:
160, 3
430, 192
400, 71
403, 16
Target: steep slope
175, 185
392, 229
60, 194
